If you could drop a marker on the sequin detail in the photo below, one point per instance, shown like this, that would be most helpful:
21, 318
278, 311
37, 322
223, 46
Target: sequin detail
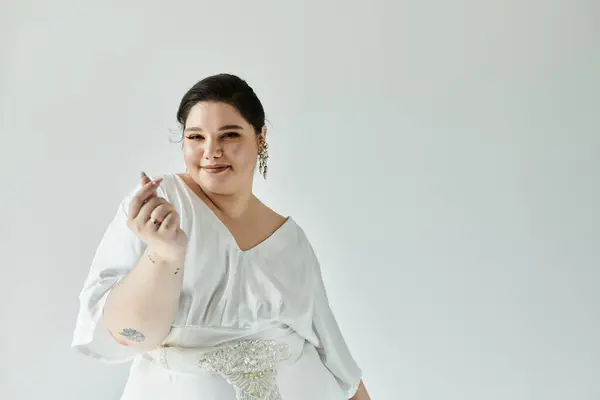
250, 366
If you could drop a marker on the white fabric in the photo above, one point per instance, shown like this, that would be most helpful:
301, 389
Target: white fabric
227, 295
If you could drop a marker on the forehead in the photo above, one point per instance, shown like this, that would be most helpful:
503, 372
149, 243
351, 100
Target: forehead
212, 115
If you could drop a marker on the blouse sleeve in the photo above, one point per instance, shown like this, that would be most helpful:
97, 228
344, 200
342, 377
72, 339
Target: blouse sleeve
332, 347
118, 252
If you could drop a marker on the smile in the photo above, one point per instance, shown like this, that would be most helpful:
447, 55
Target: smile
215, 169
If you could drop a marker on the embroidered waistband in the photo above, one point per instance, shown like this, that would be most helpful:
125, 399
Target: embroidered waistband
250, 366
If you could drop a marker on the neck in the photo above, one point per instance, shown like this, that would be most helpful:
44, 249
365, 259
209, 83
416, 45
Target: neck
232, 205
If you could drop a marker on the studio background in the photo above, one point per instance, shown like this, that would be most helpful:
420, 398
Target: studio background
442, 156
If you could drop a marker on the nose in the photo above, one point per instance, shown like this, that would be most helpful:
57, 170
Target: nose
212, 149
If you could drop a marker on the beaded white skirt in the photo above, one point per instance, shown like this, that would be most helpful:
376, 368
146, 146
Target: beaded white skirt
284, 369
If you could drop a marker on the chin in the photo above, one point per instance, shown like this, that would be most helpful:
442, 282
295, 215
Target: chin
228, 184
216, 186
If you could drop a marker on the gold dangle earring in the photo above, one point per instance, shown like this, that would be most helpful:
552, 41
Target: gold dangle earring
263, 155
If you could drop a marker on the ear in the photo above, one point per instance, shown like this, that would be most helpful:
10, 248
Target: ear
263, 134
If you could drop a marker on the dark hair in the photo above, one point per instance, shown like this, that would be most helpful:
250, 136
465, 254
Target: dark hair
224, 88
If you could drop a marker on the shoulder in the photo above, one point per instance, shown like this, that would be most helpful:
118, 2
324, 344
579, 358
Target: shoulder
301, 239
307, 249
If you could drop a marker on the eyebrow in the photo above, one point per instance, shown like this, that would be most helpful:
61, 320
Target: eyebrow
223, 128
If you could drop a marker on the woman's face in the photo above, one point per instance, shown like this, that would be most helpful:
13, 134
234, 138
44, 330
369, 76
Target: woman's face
220, 148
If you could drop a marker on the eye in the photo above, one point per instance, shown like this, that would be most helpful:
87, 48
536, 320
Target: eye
231, 135
194, 137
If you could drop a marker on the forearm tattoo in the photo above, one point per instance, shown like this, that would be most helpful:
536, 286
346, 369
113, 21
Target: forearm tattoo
133, 335
150, 257
154, 262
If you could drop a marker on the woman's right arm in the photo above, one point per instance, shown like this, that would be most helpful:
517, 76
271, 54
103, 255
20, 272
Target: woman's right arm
141, 307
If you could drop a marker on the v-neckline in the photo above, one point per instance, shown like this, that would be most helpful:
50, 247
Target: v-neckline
224, 227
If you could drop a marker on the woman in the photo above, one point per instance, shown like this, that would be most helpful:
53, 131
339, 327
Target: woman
212, 294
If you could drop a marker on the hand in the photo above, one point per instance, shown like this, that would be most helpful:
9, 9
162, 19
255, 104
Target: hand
155, 220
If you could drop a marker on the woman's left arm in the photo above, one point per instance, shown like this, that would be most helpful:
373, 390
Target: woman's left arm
361, 393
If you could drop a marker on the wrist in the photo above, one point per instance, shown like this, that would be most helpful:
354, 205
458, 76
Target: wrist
157, 258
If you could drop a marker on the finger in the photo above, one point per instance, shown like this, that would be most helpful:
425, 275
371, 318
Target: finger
141, 220
145, 178
141, 198
161, 211
148, 208
147, 191
151, 223
169, 223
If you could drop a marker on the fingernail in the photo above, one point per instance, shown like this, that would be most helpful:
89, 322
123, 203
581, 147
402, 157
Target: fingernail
143, 174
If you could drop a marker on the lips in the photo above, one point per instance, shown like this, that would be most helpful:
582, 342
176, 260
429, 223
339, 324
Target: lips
215, 169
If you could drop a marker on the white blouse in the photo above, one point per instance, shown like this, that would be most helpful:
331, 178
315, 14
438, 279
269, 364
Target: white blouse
228, 294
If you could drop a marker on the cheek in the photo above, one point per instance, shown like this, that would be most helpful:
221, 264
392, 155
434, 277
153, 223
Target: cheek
241, 153
191, 152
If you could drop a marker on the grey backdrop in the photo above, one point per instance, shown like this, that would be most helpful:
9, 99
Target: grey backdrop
441, 155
